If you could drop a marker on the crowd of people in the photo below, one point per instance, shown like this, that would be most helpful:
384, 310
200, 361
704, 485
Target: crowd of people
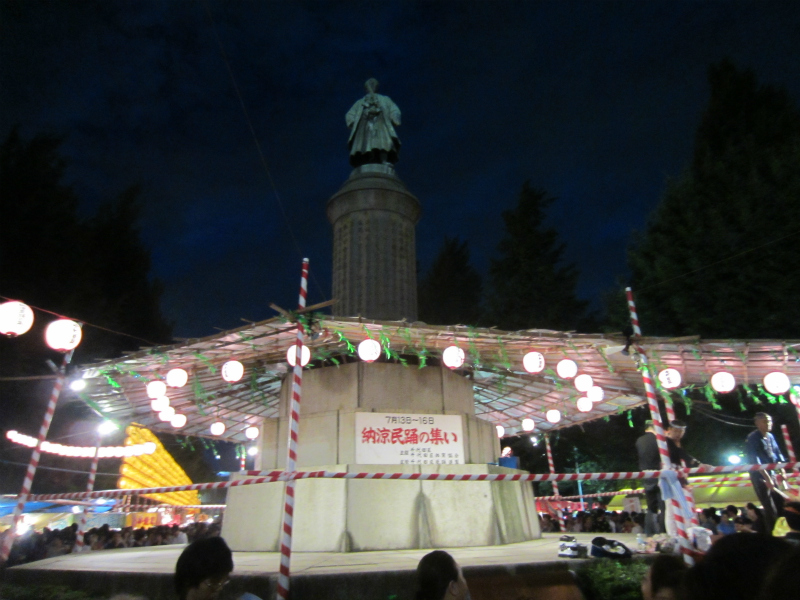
49, 543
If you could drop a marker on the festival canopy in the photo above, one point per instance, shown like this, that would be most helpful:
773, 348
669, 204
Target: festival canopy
235, 377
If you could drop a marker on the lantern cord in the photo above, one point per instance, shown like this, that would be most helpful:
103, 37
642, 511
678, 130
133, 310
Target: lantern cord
82, 322
719, 261
19, 464
257, 143
711, 415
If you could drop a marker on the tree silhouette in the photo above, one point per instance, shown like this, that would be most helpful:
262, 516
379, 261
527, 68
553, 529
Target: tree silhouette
450, 292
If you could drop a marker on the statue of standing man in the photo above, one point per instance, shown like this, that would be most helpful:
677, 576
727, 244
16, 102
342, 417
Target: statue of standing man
372, 135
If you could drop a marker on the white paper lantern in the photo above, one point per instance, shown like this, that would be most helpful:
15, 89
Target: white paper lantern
159, 404
166, 414
453, 357
777, 383
528, 425
723, 382
584, 404
291, 355
15, 318
178, 421
177, 378
217, 428
567, 369
670, 378
553, 415
583, 383
232, 371
595, 393
156, 389
501, 431
251, 433
369, 350
533, 362
63, 335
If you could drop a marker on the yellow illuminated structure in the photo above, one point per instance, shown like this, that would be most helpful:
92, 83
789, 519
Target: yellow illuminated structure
154, 470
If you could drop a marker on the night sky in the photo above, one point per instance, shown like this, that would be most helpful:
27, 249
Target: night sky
596, 102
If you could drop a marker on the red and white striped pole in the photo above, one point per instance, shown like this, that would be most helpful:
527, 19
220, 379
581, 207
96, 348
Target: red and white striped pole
670, 408
89, 488
552, 466
291, 456
22, 498
789, 446
658, 427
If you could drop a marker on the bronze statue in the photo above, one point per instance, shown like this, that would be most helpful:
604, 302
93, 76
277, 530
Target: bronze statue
371, 120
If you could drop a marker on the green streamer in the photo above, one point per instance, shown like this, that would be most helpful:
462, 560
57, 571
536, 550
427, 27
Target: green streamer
202, 358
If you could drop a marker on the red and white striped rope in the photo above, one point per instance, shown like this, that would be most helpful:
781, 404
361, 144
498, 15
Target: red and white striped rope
22, 498
89, 488
598, 495
789, 446
255, 477
147, 507
291, 456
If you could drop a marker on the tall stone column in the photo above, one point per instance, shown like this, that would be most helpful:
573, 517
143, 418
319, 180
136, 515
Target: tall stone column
374, 247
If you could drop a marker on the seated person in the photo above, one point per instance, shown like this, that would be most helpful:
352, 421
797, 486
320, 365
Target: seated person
440, 578
663, 578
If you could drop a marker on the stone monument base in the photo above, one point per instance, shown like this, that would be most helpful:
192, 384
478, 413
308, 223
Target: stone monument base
348, 515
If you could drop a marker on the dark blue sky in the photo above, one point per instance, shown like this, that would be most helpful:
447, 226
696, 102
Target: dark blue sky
596, 102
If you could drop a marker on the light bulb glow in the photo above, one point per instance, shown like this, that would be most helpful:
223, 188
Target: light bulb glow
584, 404
106, 427
159, 404
369, 350
670, 378
76, 385
177, 378
777, 383
501, 431
553, 415
156, 389
178, 420
232, 371
291, 355
63, 335
251, 433
533, 362
583, 382
453, 357
567, 369
723, 382
217, 428
16, 318
528, 425
252, 451
595, 393
166, 414
734, 459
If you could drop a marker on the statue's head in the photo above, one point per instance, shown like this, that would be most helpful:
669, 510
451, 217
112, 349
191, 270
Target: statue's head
371, 85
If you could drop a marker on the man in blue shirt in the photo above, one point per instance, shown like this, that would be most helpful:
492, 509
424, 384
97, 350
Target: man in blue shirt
762, 449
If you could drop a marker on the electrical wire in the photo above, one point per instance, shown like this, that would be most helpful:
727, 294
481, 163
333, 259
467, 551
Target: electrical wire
82, 322
780, 239
263, 159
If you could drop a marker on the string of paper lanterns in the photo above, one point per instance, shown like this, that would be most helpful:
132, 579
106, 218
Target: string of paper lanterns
16, 318
776, 382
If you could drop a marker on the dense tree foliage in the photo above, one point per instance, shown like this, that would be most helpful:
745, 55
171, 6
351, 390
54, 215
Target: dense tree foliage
451, 291
94, 269
531, 287
719, 256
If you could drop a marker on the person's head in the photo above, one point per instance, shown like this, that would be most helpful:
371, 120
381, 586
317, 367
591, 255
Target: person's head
664, 574
753, 512
203, 569
791, 512
763, 422
743, 525
734, 568
732, 511
440, 578
648, 427
676, 430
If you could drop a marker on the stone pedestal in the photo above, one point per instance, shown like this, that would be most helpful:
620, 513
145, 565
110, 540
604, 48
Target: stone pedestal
350, 515
346, 515
374, 257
